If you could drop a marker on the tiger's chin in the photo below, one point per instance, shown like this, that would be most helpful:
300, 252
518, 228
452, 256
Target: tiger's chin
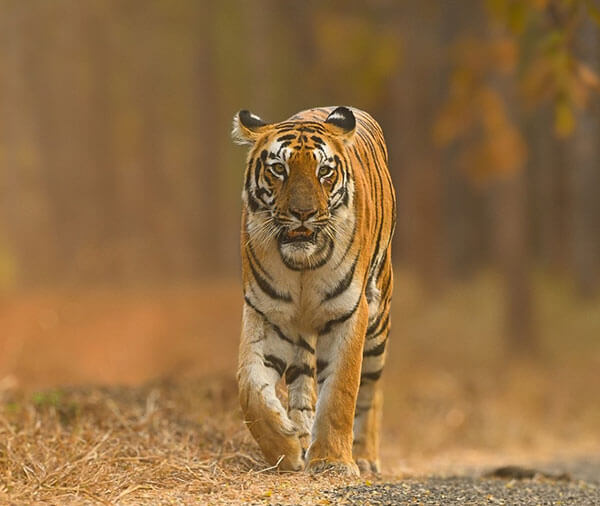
305, 250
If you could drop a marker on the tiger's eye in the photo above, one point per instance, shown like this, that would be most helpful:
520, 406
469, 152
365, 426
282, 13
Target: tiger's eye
278, 169
325, 171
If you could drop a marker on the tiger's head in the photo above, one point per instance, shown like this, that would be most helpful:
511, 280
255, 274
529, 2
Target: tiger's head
297, 182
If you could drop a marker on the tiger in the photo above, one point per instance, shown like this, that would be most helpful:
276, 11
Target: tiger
318, 215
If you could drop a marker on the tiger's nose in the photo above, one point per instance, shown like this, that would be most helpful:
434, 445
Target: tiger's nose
303, 214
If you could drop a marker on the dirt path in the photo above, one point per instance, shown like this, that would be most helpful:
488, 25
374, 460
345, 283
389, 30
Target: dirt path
469, 490
574, 481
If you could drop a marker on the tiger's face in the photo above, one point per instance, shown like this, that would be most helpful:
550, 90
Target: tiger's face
296, 184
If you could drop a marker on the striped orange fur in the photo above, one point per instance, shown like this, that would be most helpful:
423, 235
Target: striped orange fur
317, 221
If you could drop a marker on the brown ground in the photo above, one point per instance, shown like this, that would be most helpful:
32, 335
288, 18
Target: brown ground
167, 427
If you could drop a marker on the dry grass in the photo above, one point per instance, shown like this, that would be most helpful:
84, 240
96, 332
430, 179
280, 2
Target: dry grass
454, 400
167, 443
183, 442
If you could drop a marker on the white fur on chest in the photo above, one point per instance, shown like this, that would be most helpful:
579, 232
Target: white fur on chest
308, 310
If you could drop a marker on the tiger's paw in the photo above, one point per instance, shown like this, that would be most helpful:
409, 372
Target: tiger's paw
277, 435
281, 447
367, 466
340, 467
366, 456
303, 419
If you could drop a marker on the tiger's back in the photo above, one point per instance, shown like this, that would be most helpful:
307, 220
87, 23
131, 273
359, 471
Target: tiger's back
318, 217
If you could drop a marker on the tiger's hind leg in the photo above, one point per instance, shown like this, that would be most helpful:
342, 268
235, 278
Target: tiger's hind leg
369, 403
367, 426
263, 358
302, 395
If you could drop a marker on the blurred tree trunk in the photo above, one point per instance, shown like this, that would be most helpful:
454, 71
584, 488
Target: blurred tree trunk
305, 55
514, 262
511, 224
465, 218
204, 227
467, 225
104, 202
41, 66
551, 190
586, 174
399, 145
155, 187
259, 25
12, 137
416, 170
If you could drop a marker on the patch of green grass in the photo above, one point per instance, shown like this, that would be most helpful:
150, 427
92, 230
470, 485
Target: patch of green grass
66, 409
12, 407
47, 398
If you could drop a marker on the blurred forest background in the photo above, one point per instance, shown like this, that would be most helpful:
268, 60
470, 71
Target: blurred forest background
117, 172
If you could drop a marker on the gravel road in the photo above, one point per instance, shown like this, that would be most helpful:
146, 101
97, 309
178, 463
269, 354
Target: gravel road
572, 483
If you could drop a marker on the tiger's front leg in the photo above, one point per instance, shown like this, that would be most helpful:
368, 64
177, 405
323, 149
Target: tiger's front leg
263, 358
302, 391
339, 352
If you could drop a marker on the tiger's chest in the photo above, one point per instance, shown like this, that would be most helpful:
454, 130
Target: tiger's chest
304, 302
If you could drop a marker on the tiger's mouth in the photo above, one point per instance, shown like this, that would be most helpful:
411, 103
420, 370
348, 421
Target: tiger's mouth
300, 234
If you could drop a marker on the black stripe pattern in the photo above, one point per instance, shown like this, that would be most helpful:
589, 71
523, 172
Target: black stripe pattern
340, 319
266, 287
294, 372
377, 350
344, 283
277, 330
275, 363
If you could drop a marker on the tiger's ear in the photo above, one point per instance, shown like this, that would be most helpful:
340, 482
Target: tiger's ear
343, 122
247, 127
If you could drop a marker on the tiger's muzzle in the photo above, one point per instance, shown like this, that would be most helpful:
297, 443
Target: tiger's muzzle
300, 234
300, 226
